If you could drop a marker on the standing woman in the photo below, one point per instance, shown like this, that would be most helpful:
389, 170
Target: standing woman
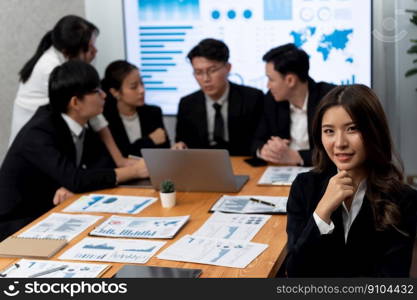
134, 124
352, 215
71, 38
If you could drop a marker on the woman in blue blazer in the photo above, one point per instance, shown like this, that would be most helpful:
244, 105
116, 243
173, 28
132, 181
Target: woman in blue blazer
133, 124
352, 215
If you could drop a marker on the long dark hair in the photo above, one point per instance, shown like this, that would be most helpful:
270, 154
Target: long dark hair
385, 172
70, 35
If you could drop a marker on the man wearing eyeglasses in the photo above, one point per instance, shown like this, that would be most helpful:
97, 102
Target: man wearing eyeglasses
222, 114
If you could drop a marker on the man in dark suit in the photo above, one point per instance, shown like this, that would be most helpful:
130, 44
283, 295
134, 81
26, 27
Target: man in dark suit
56, 153
222, 114
284, 132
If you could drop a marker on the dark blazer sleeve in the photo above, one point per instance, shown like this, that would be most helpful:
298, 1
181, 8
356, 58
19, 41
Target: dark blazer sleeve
308, 251
150, 120
306, 155
181, 127
43, 153
244, 113
191, 125
264, 129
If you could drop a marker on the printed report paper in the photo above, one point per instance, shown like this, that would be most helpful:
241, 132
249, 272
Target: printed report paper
113, 250
110, 204
232, 226
243, 205
60, 226
219, 252
25, 268
140, 227
281, 175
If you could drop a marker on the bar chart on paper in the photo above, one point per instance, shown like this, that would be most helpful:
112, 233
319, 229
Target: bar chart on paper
140, 227
113, 250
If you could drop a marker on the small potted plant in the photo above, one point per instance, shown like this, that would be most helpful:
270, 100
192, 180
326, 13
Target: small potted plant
167, 193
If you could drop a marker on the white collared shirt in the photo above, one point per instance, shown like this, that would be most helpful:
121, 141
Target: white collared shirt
132, 127
211, 113
299, 127
74, 127
347, 216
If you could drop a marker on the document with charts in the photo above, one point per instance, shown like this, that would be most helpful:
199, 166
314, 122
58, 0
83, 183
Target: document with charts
26, 268
219, 252
110, 204
242, 204
113, 250
281, 175
232, 226
60, 226
138, 227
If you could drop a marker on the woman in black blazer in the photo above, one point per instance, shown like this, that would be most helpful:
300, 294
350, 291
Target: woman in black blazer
352, 215
134, 124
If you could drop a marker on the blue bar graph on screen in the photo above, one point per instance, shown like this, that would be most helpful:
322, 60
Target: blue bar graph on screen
162, 46
351, 80
278, 10
171, 10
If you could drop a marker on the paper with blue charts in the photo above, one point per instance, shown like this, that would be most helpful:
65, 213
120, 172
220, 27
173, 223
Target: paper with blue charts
212, 251
281, 175
243, 204
113, 250
141, 227
25, 268
232, 226
60, 226
110, 204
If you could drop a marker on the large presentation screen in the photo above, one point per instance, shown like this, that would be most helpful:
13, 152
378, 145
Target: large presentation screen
159, 34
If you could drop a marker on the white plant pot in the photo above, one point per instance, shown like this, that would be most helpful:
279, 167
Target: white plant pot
168, 199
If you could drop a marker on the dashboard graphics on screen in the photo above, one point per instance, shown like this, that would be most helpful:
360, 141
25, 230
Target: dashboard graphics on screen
159, 33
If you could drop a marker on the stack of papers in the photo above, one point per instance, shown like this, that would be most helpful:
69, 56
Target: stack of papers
60, 226
25, 268
232, 226
138, 227
203, 250
113, 250
223, 240
281, 175
110, 204
244, 204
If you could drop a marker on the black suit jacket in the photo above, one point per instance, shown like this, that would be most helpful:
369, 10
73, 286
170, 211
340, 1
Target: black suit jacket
41, 160
150, 119
244, 111
276, 120
367, 252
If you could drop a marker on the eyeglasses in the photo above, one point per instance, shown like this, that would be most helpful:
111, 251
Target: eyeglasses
209, 72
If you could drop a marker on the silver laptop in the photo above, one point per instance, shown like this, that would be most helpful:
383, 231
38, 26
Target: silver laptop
193, 170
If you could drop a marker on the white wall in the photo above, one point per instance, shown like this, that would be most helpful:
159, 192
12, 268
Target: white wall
108, 17
23, 24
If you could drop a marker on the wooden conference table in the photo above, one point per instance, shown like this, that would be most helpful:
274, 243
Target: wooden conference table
197, 204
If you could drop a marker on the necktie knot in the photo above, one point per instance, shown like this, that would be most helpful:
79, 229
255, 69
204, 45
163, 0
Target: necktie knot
217, 107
